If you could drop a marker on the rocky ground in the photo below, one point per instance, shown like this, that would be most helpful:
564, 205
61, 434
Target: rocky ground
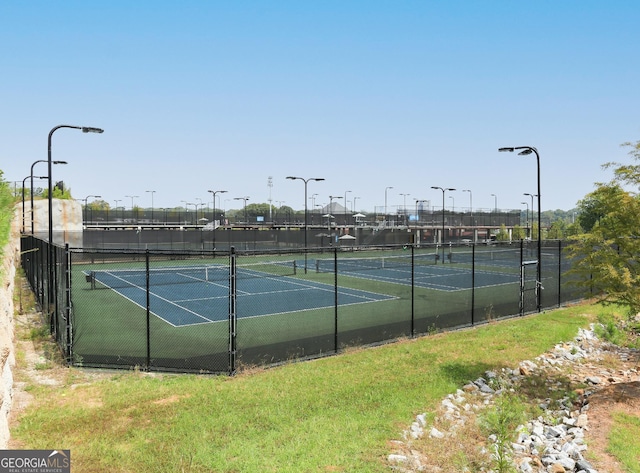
572, 434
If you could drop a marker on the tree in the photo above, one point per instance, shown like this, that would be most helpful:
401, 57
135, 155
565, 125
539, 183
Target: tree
557, 231
518, 233
502, 234
98, 204
607, 256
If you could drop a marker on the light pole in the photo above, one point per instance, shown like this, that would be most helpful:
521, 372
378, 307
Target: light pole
419, 201
53, 284
345, 208
201, 204
39, 161
214, 212
532, 196
404, 207
313, 206
244, 199
24, 183
385, 204
443, 189
526, 150
85, 202
495, 208
470, 205
132, 197
527, 219
331, 197
306, 181
116, 207
151, 192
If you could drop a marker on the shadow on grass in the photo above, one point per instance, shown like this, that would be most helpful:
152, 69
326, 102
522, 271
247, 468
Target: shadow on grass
463, 373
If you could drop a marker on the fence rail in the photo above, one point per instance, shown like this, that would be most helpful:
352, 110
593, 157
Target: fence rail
216, 311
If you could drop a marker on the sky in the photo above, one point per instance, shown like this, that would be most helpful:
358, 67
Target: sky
382, 99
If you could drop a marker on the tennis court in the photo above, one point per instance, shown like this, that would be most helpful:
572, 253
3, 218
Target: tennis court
189, 295
427, 271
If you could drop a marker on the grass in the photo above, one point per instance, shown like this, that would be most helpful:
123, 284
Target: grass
332, 414
624, 441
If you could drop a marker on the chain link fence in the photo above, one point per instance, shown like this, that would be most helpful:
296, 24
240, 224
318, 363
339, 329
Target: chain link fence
218, 311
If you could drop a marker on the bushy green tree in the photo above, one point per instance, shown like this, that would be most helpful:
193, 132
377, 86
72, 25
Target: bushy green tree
502, 234
607, 256
518, 233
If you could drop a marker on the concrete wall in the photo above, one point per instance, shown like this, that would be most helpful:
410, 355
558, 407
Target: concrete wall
10, 260
67, 220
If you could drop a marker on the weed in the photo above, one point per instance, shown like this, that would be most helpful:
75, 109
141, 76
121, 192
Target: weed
500, 422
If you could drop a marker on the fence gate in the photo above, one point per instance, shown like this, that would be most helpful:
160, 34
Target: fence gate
528, 287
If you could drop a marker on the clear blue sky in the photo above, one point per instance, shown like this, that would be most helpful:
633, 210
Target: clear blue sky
220, 95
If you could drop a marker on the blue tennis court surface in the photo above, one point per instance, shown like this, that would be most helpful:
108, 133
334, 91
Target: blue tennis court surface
190, 299
442, 277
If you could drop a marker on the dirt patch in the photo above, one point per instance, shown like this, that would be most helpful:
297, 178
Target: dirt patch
612, 399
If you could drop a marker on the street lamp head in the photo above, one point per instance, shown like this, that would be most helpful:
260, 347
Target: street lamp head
318, 179
450, 189
525, 151
436, 187
59, 162
510, 150
90, 129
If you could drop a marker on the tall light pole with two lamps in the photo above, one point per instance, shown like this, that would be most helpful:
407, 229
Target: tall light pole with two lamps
214, 215
244, 199
306, 181
443, 189
53, 284
85, 203
524, 151
132, 206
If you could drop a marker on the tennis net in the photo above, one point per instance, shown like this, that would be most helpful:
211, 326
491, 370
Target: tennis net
401, 262
121, 278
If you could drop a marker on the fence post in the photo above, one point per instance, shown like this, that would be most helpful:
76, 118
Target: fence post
232, 310
335, 295
67, 306
148, 304
473, 283
559, 272
413, 292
